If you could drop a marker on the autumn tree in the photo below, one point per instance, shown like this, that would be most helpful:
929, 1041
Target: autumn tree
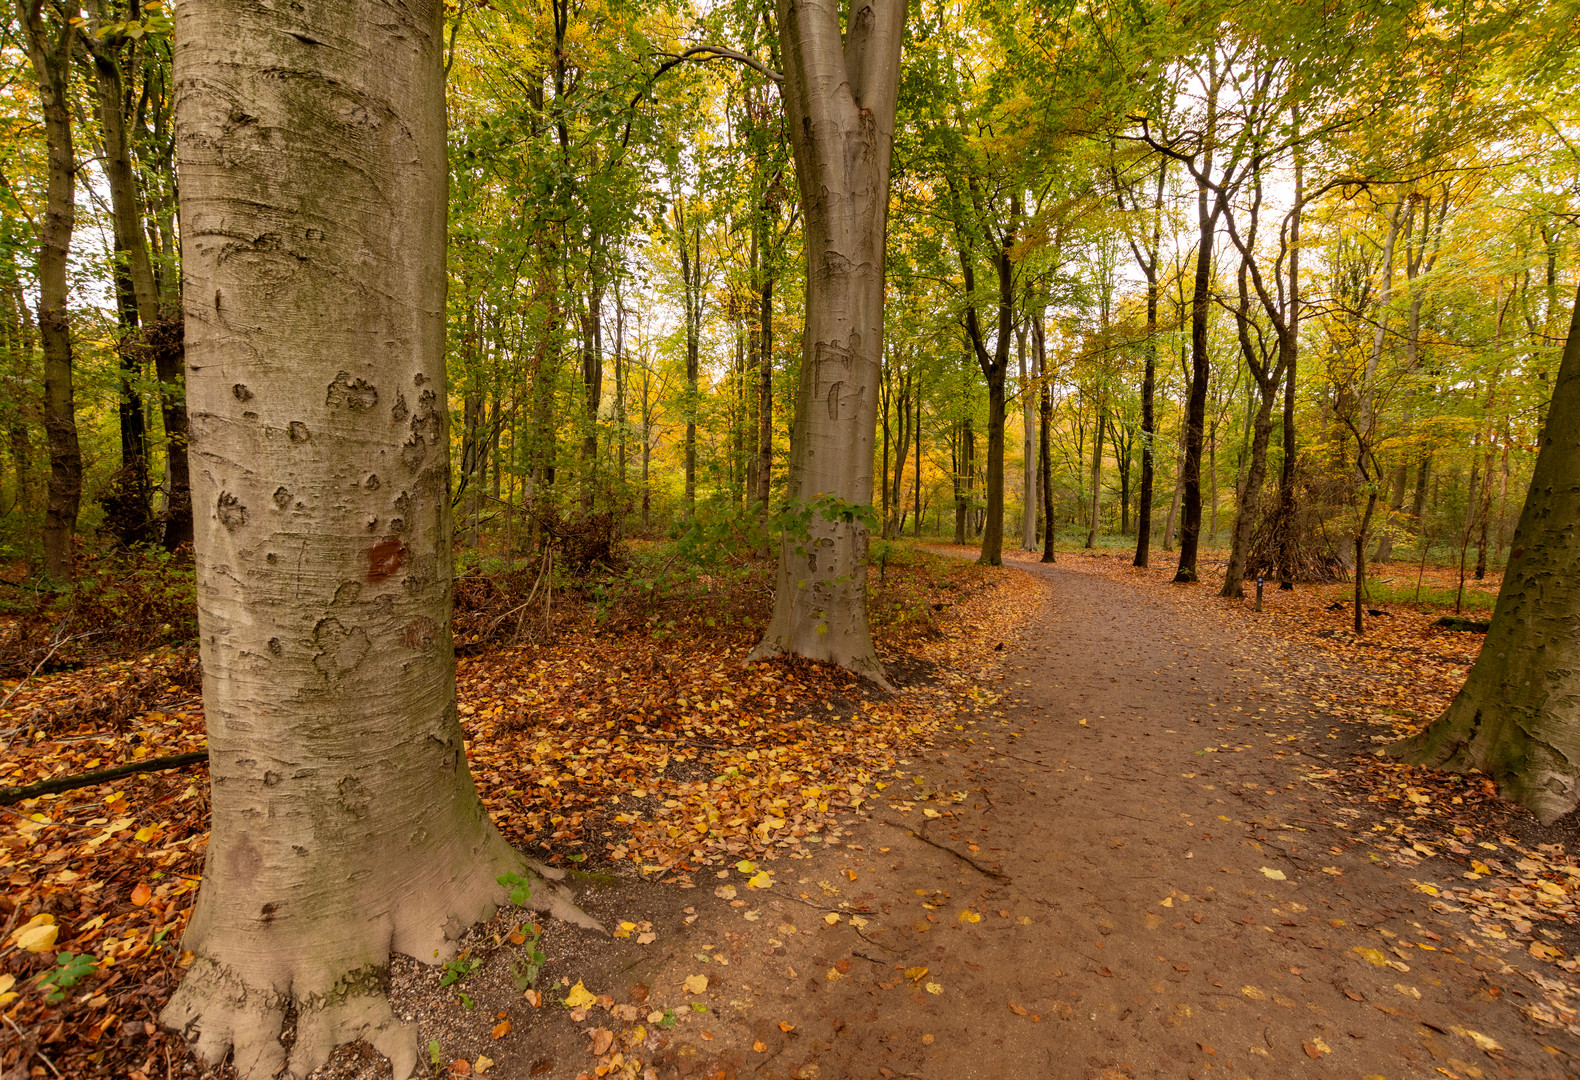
345, 821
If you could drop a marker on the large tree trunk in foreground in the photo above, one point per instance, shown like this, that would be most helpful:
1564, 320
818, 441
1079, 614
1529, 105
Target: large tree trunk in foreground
840, 95
345, 821
1517, 718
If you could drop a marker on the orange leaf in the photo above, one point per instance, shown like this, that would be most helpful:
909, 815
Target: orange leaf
785, 1027
502, 1029
142, 894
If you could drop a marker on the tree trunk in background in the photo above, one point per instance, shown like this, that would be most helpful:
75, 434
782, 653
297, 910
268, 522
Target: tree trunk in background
839, 95
1517, 718
49, 44
1196, 404
1285, 526
964, 465
166, 340
1028, 444
345, 822
765, 396
592, 390
1097, 479
1045, 437
1148, 261
917, 431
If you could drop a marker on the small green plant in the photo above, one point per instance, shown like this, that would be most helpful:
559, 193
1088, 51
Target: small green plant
520, 890
466, 1002
669, 1019
435, 1053
458, 969
524, 970
69, 970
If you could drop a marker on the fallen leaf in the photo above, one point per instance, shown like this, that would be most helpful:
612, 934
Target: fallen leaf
725, 892
482, 1065
786, 1027
579, 997
695, 984
831, 918
1253, 993
760, 1046
502, 1029
1485, 1042
1017, 1009
534, 999
647, 938
1273, 875
1311, 1051
602, 1039
760, 880
933, 988
915, 974
37, 937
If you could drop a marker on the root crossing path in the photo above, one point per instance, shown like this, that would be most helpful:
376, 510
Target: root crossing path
1142, 880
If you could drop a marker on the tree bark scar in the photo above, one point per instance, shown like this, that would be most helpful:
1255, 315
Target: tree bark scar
354, 394
384, 558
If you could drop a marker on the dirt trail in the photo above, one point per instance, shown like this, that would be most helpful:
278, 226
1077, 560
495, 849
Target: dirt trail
1127, 866
1138, 882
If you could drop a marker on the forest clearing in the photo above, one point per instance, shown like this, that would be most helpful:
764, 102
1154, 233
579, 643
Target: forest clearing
795, 539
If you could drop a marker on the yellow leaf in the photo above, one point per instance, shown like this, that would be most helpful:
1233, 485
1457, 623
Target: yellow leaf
579, 997
1430, 890
1485, 1042
915, 974
1253, 993
1167, 901
930, 812
970, 916
37, 938
831, 918
482, 1065
1371, 956
1480, 867
746, 866
1273, 875
695, 984
759, 881
851, 874
934, 988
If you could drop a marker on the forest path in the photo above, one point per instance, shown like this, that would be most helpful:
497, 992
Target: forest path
1139, 882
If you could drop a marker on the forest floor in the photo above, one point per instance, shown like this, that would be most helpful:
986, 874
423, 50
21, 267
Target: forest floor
1149, 837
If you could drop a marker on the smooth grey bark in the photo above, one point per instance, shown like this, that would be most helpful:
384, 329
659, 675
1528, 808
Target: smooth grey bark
839, 94
1517, 718
1097, 478
345, 821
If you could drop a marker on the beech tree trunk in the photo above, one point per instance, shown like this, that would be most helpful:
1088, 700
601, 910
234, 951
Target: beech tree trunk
839, 94
345, 821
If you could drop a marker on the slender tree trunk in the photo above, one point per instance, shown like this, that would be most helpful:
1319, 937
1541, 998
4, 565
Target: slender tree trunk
1196, 404
839, 95
765, 396
1045, 437
1028, 443
917, 429
49, 44
1097, 478
1517, 718
324, 579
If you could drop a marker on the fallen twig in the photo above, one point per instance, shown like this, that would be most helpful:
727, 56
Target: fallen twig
944, 847
68, 783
